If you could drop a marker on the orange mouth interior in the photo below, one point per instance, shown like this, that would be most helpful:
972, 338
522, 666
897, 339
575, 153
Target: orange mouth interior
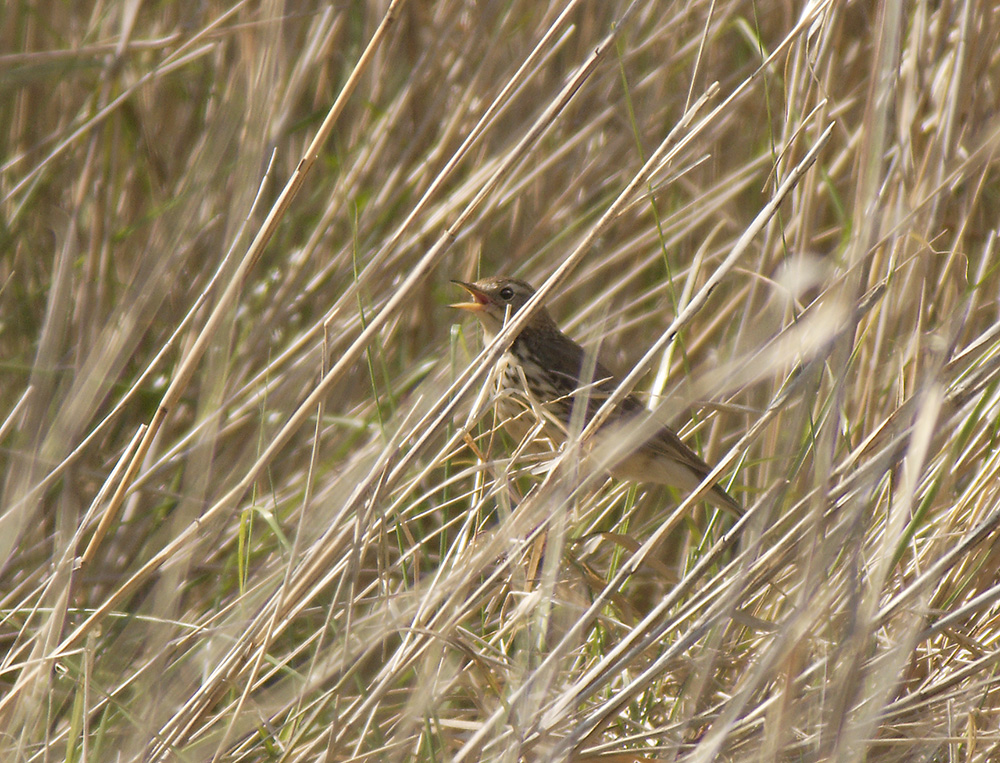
478, 305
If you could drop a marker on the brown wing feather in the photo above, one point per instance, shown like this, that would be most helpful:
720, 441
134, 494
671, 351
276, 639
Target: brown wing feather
565, 363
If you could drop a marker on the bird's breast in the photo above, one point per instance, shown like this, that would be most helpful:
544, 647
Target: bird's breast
527, 372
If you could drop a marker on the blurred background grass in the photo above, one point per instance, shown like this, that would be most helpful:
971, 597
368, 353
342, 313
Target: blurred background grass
303, 568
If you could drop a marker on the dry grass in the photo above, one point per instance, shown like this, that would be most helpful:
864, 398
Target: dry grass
253, 504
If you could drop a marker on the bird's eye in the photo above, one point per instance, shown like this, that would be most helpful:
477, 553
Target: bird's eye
506, 293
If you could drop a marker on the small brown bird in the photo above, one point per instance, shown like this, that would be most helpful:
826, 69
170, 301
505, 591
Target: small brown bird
543, 367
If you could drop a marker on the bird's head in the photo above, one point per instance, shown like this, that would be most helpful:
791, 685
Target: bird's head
495, 297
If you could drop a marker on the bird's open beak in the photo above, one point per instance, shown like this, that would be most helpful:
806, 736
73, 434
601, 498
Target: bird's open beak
478, 305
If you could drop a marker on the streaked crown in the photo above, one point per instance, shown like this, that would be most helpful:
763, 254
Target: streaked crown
497, 297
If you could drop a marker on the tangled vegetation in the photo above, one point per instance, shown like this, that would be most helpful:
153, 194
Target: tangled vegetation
256, 504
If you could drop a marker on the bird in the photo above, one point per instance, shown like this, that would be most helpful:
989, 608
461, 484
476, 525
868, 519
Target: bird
542, 369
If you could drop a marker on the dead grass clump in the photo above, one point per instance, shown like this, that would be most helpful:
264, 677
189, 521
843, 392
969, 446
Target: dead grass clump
254, 503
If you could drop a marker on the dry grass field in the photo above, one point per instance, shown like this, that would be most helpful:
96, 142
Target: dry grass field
256, 504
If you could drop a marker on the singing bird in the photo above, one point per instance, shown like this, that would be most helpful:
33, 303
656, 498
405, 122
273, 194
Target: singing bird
543, 367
